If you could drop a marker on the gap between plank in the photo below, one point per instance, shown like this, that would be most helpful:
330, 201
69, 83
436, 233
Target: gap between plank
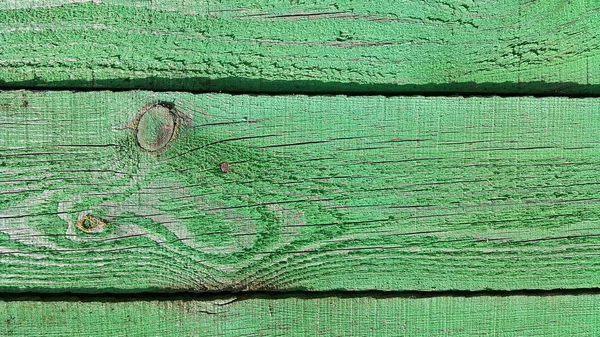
277, 295
239, 86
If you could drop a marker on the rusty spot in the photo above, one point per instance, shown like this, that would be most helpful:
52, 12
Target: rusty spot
90, 224
225, 167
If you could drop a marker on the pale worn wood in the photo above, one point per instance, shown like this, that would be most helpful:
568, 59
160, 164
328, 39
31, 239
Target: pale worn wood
513, 316
297, 192
318, 46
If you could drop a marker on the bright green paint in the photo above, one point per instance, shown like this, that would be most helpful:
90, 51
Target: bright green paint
513, 316
146, 191
511, 46
323, 193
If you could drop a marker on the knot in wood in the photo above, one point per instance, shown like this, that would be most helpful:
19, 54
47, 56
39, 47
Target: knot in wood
90, 224
154, 127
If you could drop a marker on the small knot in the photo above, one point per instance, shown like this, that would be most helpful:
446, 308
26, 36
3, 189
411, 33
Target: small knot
90, 224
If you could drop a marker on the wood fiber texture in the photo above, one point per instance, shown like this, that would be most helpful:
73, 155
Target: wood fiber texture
297, 192
259, 46
513, 316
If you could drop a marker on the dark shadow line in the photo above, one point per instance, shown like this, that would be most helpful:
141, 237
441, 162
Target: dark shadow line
278, 295
257, 86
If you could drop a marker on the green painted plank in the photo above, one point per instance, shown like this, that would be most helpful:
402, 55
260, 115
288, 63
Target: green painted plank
507, 46
112, 191
522, 316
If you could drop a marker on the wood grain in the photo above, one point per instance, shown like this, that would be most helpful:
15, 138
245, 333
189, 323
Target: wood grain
259, 46
523, 316
297, 192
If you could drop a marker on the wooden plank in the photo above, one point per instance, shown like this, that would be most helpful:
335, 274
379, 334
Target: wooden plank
362, 46
523, 316
112, 191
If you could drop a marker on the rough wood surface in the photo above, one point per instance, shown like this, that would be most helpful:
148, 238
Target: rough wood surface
514, 316
145, 191
313, 46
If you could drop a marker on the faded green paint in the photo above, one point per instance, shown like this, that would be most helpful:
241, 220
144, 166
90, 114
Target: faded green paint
162, 191
509, 46
319, 193
513, 316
